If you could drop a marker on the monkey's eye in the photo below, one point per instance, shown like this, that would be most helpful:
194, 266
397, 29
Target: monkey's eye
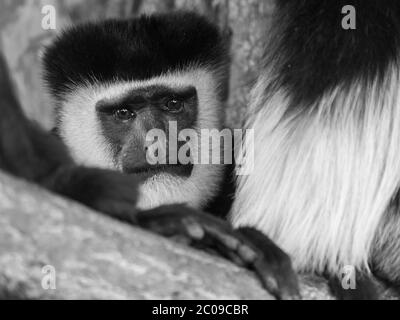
174, 106
123, 115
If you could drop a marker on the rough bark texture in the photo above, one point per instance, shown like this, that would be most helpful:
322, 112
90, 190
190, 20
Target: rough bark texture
96, 257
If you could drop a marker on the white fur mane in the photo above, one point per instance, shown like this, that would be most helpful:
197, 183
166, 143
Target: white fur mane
323, 181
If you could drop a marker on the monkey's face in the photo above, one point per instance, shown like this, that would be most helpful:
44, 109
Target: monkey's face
127, 90
127, 120
110, 125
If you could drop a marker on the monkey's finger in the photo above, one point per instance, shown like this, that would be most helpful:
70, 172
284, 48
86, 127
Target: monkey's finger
169, 222
277, 278
193, 228
220, 248
211, 234
228, 245
164, 227
280, 282
184, 240
200, 230
117, 209
272, 265
215, 242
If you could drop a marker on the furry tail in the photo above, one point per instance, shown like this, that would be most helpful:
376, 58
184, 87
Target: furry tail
326, 115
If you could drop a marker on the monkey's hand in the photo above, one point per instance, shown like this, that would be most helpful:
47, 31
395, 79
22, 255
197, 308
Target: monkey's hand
110, 192
245, 247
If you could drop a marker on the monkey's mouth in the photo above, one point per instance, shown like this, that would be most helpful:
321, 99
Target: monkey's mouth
147, 172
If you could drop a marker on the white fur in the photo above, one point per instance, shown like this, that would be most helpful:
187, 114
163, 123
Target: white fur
322, 181
80, 130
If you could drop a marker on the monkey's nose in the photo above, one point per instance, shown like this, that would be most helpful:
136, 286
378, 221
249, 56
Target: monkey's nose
135, 160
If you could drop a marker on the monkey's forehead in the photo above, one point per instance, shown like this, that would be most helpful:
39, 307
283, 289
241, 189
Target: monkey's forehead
135, 49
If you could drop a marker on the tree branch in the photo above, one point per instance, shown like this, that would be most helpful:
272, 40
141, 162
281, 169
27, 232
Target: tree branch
96, 257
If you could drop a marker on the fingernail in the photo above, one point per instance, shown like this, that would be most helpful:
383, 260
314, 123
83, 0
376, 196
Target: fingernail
194, 230
247, 253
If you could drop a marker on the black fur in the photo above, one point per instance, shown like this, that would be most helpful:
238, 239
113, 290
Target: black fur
221, 204
313, 54
135, 49
23, 145
366, 288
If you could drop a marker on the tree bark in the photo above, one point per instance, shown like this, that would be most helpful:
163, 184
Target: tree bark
96, 257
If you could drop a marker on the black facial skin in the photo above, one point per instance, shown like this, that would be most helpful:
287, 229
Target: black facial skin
126, 121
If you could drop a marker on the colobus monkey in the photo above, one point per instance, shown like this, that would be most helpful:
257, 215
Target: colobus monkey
115, 81
326, 115
112, 82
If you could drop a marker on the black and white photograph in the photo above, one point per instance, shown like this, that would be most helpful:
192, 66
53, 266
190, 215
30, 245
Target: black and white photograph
199, 156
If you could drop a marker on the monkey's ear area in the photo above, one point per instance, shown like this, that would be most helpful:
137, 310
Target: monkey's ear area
245, 247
